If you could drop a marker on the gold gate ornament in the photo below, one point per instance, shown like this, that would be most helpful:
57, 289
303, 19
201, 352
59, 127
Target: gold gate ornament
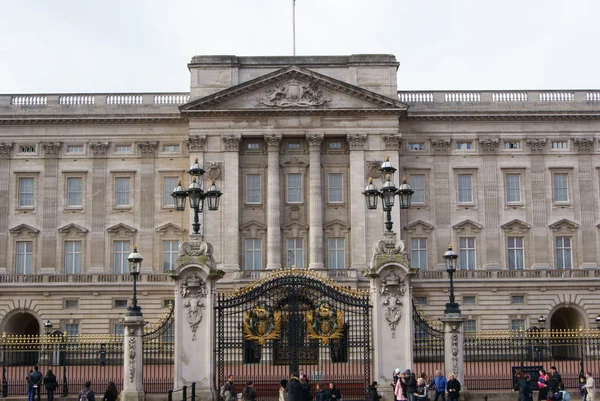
262, 323
325, 324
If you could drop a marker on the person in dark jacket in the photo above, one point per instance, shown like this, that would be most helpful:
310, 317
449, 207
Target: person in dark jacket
50, 384
453, 387
111, 393
525, 391
582, 389
373, 393
306, 387
34, 382
556, 378
294, 389
411, 385
334, 393
321, 394
249, 393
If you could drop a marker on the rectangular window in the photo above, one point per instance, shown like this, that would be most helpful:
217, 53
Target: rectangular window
465, 188
72, 329
253, 146
122, 191
560, 187
513, 188
295, 252
418, 253
74, 192
335, 145
464, 145
27, 149
417, 184
123, 149
560, 144
517, 324
294, 188
71, 303
336, 188
169, 184
120, 303
563, 253
467, 253
517, 299
72, 257
468, 299
420, 300
121, 252
171, 148
24, 257
294, 145
75, 149
118, 329
253, 254
25, 192
253, 189
416, 146
170, 254
336, 250
515, 253
470, 325
512, 145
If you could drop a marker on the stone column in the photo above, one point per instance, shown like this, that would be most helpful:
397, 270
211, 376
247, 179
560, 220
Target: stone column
491, 203
195, 296
133, 368
454, 346
5, 152
99, 207
315, 241
358, 211
273, 142
231, 203
147, 204
49, 207
541, 256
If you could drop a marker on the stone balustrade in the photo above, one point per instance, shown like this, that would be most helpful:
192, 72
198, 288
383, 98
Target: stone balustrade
82, 278
550, 96
510, 274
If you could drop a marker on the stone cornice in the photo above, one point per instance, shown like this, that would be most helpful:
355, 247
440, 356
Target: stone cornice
417, 116
81, 120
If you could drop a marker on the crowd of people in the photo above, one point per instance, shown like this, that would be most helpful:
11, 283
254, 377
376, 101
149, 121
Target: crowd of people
408, 387
550, 386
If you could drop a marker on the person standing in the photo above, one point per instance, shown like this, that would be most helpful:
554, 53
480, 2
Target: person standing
294, 390
421, 393
111, 393
453, 387
525, 390
400, 389
555, 379
282, 385
582, 389
249, 393
86, 393
373, 393
590, 386
334, 393
321, 394
35, 381
411, 385
439, 385
542, 385
50, 384
229, 389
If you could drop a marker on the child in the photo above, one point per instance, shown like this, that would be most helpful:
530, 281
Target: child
582, 389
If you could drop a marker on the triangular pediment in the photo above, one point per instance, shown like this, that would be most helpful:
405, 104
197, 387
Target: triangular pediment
336, 228
295, 229
516, 226
24, 229
419, 227
72, 229
294, 88
467, 226
564, 224
122, 229
253, 229
165, 228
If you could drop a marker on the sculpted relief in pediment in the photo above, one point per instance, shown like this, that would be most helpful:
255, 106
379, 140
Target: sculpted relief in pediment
294, 94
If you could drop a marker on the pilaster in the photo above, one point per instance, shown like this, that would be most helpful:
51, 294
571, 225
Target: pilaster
441, 173
49, 208
147, 201
133, 356
99, 206
273, 142
586, 207
231, 203
5, 152
491, 207
358, 211
538, 207
454, 346
315, 202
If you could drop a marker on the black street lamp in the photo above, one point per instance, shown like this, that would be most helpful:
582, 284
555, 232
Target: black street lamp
196, 194
598, 321
135, 259
388, 192
542, 322
450, 257
48, 327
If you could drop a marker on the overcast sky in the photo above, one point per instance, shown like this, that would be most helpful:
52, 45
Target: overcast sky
62, 46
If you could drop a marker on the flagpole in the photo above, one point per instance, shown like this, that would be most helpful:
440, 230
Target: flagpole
294, 25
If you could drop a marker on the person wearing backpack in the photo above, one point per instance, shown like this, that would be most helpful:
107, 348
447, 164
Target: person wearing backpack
561, 394
86, 393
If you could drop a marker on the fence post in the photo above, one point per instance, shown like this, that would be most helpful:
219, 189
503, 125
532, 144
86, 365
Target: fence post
454, 345
193, 395
184, 393
4, 380
170, 395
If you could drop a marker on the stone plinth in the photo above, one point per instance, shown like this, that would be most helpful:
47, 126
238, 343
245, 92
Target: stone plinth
454, 345
133, 372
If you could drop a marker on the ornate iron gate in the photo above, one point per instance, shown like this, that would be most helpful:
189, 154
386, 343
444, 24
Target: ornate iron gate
295, 321
428, 346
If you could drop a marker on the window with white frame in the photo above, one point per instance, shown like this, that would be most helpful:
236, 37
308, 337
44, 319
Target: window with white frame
170, 148
468, 299
253, 189
335, 185
253, 253
118, 329
417, 184
72, 257
563, 253
120, 303
121, 250
463, 145
512, 145
560, 187
517, 324
169, 184
26, 188
420, 300
560, 144
465, 188
416, 146
170, 254
294, 145
513, 188
467, 253
74, 192
71, 303
74, 148
295, 252
24, 259
517, 299
122, 191
334, 145
418, 253
27, 149
470, 325
72, 329
336, 250
294, 188
123, 149
516, 260
253, 146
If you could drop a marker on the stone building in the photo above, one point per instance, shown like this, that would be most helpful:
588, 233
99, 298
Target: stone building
510, 178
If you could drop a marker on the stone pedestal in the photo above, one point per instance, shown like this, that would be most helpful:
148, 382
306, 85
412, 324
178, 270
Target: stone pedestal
195, 294
133, 370
454, 345
389, 275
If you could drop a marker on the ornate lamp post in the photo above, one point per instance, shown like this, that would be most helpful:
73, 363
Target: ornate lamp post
598, 321
542, 322
135, 259
48, 327
388, 192
196, 194
450, 257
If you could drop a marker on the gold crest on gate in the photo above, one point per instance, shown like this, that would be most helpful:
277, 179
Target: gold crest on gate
325, 323
262, 323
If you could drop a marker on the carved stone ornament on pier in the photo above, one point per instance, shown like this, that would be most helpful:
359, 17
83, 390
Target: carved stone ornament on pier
195, 143
294, 94
231, 142
148, 148
51, 148
584, 144
193, 292
356, 141
213, 170
5, 149
373, 167
131, 343
388, 246
440, 145
392, 142
314, 141
196, 248
454, 345
99, 148
273, 142
392, 290
536, 145
489, 145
